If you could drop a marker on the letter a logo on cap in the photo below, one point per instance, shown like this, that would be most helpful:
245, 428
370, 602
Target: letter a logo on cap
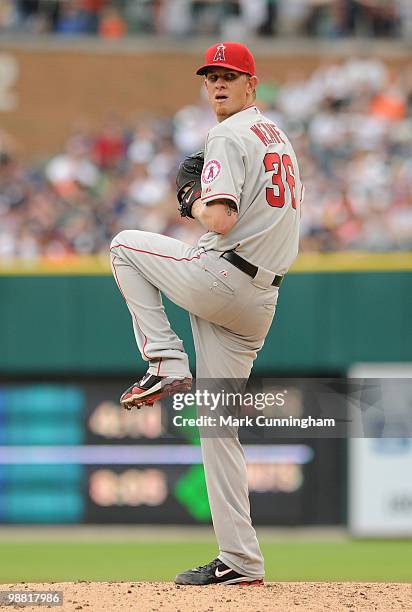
220, 54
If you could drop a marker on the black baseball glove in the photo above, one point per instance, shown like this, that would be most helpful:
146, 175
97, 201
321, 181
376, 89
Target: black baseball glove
188, 182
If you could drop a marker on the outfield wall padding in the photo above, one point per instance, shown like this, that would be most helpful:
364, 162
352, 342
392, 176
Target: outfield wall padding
324, 323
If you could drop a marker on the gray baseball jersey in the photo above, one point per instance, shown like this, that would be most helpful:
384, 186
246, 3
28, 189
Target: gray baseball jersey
268, 201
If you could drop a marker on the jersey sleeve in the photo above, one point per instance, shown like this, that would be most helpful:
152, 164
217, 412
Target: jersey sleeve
223, 173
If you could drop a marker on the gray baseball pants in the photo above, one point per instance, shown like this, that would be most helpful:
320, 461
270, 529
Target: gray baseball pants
230, 314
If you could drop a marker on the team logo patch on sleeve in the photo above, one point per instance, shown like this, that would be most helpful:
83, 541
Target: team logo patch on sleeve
211, 171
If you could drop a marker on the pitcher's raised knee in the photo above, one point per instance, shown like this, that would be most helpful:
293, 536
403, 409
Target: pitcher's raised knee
125, 238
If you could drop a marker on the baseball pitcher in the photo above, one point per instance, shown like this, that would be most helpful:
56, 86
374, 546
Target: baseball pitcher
245, 190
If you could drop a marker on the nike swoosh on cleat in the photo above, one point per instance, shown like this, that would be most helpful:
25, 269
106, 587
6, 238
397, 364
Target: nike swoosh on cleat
144, 379
223, 573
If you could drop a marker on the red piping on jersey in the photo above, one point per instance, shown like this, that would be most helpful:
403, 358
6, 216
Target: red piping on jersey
158, 254
215, 195
134, 316
158, 367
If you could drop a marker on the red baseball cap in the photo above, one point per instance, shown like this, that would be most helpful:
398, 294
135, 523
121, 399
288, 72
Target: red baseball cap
229, 55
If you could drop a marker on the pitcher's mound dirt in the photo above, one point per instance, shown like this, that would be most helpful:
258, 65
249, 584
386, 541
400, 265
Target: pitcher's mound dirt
273, 596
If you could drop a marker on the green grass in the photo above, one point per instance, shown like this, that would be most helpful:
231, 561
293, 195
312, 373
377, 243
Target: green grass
135, 561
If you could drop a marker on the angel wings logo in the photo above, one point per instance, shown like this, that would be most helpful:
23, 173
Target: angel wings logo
211, 171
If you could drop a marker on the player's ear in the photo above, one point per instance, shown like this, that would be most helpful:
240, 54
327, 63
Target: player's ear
254, 81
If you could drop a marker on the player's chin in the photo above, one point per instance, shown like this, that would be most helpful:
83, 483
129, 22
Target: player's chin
222, 111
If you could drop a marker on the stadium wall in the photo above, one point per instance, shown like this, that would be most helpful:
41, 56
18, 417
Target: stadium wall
77, 323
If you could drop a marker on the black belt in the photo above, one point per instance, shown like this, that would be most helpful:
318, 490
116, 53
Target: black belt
247, 267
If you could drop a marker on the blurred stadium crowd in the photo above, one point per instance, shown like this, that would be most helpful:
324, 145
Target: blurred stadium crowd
227, 18
351, 125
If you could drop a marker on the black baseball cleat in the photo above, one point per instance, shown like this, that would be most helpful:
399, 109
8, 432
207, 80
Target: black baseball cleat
215, 572
151, 388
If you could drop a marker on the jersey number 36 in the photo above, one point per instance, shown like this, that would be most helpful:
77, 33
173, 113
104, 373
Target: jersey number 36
273, 163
